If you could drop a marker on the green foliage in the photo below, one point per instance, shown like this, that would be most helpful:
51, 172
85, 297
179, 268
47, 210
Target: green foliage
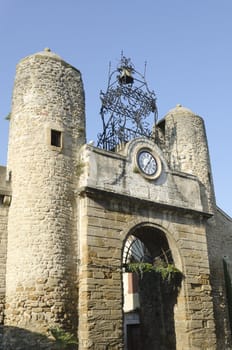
8, 116
63, 340
140, 267
167, 271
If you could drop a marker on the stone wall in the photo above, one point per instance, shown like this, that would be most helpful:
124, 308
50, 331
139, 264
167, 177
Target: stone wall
5, 198
106, 220
74, 205
3, 248
219, 239
118, 173
100, 282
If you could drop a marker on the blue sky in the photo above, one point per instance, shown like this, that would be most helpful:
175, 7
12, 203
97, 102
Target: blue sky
186, 43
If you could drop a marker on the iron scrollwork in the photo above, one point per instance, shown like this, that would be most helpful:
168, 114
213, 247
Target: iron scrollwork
128, 107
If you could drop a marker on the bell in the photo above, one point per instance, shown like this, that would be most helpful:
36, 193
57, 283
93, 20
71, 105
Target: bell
126, 77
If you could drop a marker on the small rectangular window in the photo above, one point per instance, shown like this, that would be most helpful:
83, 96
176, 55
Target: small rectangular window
56, 138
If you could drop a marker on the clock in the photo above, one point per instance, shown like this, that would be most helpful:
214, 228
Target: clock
148, 163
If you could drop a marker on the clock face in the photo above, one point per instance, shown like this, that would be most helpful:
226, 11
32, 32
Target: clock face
147, 163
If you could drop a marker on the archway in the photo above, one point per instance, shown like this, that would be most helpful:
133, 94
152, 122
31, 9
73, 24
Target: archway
150, 284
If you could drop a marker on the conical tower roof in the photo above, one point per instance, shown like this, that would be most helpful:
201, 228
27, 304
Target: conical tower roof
180, 110
47, 53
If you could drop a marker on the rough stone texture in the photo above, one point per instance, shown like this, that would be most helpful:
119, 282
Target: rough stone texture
73, 207
3, 245
41, 274
118, 173
186, 149
5, 198
219, 237
108, 220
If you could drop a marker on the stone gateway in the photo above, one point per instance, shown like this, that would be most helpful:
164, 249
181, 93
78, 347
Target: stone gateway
75, 217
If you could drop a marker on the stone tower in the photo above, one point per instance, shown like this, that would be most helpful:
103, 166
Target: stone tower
47, 128
187, 149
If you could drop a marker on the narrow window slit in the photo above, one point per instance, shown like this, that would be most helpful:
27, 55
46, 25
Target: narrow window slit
55, 138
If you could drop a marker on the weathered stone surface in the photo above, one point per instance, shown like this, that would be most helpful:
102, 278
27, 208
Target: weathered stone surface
42, 234
67, 208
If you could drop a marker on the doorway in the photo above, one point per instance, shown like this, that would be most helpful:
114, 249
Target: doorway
150, 291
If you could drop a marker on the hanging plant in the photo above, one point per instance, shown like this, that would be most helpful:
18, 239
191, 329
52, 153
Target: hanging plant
168, 272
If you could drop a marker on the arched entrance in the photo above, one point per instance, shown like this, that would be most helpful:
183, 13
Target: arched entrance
150, 287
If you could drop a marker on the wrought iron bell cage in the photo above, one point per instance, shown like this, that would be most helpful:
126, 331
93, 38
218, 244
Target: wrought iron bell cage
128, 108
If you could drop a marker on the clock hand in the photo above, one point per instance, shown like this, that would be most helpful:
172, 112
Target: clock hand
148, 163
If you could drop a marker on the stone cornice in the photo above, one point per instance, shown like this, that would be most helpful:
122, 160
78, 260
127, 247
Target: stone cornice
96, 192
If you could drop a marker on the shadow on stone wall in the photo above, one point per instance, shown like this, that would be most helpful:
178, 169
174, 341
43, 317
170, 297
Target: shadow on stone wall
13, 338
157, 300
